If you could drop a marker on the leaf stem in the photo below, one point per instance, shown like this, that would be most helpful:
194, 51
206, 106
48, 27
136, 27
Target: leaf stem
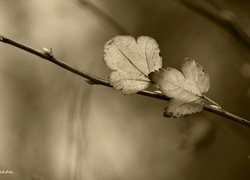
211, 101
91, 79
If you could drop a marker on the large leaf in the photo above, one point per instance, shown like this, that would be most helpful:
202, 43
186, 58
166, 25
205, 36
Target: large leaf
131, 62
186, 89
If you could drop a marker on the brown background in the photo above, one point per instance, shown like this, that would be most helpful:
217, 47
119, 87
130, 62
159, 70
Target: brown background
53, 125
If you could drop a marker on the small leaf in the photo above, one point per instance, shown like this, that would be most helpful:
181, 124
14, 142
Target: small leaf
186, 89
131, 62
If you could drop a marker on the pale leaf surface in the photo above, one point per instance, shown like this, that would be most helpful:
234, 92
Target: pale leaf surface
194, 72
186, 88
131, 62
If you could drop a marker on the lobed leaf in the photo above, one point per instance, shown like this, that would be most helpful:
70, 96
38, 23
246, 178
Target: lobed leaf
186, 88
131, 62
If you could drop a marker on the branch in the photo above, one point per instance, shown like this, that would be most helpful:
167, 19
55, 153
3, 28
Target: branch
93, 80
104, 16
227, 115
225, 19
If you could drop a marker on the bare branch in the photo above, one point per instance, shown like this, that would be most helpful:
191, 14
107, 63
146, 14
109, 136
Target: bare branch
227, 115
47, 54
223, 18
99, 12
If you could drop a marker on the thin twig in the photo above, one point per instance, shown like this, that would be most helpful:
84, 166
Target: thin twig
223, 18
47, 54
104, 16
227, 115
51, 58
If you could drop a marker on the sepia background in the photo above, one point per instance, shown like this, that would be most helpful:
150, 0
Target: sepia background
55, 126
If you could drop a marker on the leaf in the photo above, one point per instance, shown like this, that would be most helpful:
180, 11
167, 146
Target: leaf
186, 89
131, 62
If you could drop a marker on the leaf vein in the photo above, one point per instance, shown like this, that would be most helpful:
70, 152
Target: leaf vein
147, 56
129, 60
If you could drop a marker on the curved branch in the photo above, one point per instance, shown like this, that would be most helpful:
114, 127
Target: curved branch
223, 18
99, 81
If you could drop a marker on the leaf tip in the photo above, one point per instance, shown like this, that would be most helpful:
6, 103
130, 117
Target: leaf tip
168, 114
188, 59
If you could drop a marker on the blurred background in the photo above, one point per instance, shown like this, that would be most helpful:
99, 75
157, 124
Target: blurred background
55, 126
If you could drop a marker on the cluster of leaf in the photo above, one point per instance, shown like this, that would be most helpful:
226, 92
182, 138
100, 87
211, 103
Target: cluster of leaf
136, 63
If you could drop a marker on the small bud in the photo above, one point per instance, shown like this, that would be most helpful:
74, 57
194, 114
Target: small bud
47, 51
158, 92
214, 106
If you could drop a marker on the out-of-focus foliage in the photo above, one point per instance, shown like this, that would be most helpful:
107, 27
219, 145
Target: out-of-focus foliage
55, 126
